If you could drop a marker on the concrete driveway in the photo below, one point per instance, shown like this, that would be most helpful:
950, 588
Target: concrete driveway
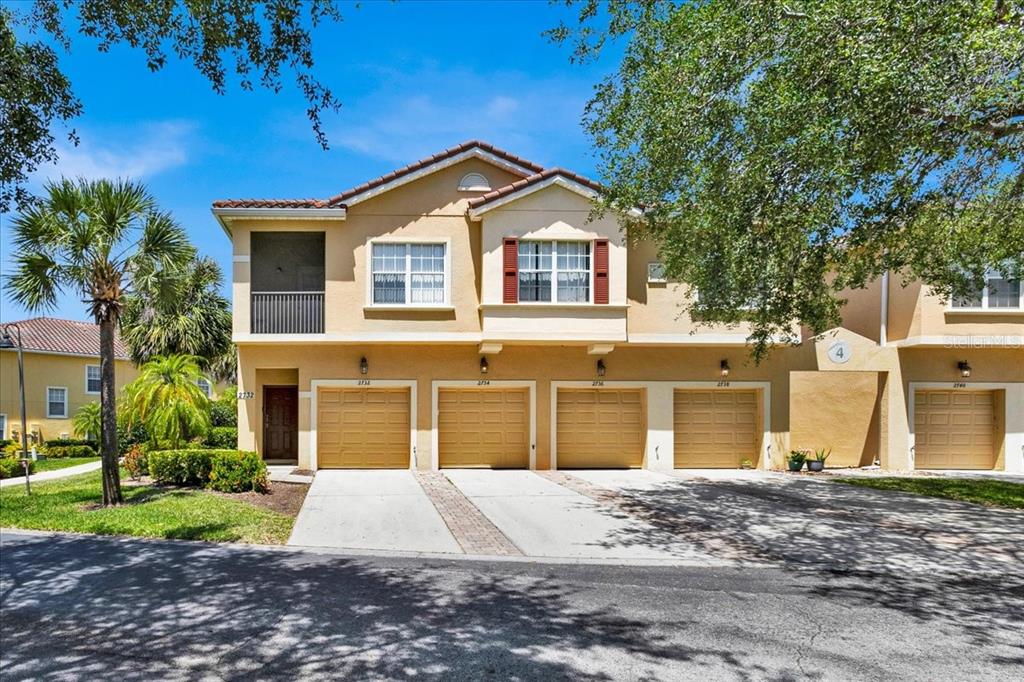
373, 510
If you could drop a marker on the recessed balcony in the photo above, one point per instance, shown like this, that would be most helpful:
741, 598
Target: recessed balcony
287, 287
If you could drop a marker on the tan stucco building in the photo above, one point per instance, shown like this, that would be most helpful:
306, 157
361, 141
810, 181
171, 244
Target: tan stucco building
467, 311
62, 373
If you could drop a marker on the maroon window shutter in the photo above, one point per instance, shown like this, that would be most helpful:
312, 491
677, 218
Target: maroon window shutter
510, 270
601, 271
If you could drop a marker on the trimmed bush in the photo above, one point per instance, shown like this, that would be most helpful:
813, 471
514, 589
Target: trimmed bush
224, 412
136, 462
4, 442
222, 437
9, 468
126, 437
235, 471
65, 442
181, 467
62, 451
228, 471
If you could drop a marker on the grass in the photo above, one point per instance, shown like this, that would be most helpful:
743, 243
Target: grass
989, 492
62, 463
71, 504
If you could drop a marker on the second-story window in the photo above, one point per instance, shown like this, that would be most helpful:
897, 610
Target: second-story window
92, 378
204, 386
554, 272
999, 293
408, 274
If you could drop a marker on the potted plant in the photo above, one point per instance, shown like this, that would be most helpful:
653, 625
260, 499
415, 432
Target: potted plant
746, 464
795, 459
818, 463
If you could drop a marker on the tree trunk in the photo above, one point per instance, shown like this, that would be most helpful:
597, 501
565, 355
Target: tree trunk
108, 410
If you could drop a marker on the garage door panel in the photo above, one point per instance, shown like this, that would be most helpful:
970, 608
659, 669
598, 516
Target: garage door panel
600, 428
487, 428
363, 428
954, 429
715, 428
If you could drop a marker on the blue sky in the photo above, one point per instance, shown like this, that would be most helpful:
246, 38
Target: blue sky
413, 79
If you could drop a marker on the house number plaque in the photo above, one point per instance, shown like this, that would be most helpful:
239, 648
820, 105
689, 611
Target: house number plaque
839, 352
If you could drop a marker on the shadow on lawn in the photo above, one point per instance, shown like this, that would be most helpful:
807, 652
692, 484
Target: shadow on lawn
91, 608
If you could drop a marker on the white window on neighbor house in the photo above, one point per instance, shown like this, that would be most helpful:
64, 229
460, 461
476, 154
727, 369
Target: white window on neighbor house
204, 386
56, 401
409, 274
999, 293
554, 272
92, 379
3, 426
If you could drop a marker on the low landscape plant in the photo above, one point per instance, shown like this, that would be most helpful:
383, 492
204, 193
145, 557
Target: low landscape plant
11, 467
136, 462
61, 451
222, 437
224, 410
222, 470
64, 442
795, 459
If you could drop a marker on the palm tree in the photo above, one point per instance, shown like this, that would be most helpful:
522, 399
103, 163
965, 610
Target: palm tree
101, 240
167, 400
88, 421
179, 312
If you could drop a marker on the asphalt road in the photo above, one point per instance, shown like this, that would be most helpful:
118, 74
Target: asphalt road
102, 608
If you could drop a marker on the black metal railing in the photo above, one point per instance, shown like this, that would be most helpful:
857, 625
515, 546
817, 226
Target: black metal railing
287, 312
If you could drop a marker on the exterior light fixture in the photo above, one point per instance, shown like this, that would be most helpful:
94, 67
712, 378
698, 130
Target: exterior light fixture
600, 368
364, 366
965, 369
724, 364
483, 365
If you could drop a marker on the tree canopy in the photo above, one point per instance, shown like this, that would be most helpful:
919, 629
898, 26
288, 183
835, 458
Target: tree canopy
257, 40
784, 152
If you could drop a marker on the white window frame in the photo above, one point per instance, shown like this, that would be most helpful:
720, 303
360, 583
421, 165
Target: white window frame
3, 429
992, 274
465, 184
446, 305
50, 415
554, 271
208, 391
653, 278
87, 391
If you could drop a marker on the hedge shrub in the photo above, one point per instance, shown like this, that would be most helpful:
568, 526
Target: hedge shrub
223, 470
235, 471
222, 437
62, 451
65, 442
9, 468
224, 410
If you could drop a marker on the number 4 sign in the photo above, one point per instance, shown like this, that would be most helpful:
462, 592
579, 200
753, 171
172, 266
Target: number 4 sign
839, 352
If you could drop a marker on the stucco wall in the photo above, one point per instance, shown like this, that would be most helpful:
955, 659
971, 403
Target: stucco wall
43, 370
837, 411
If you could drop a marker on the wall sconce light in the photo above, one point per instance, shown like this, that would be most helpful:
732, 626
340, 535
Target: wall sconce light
965, 369
483, 365
724, 364
364, 366
600, 368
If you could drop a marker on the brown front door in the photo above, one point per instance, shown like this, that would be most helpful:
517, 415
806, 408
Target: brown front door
281, 422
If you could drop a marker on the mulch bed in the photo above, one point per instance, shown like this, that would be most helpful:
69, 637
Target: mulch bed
284, 498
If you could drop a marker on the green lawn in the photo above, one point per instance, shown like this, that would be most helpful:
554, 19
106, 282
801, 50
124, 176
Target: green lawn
980, 490
149, 511
63, 463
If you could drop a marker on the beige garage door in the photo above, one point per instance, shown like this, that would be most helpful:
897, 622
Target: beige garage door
600, 428
715, 429
362, 428
954, 429
486, 428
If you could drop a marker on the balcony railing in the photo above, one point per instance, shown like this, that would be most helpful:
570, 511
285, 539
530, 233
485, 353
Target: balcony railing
287, 312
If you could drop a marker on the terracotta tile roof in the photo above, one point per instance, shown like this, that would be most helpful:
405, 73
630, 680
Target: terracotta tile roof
440, 156
273, 203
476, 202
54, 335
338, 200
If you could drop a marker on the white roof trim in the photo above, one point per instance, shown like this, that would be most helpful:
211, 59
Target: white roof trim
225, 215
963, 342
472, 153
560, 180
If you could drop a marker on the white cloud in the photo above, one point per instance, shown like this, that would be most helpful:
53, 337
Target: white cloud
135, 152
416, 113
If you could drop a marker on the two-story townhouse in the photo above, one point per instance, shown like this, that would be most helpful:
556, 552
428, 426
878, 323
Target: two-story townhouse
468, 310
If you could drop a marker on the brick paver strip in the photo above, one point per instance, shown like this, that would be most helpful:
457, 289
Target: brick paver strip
472, 530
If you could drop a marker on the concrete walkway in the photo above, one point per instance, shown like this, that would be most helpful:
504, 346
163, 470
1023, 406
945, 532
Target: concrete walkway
373, 510
51, 475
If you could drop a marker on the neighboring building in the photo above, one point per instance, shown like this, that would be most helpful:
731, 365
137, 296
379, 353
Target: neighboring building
62, 373
469, 311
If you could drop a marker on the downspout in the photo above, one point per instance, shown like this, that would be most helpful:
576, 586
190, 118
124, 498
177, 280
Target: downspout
883, 322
